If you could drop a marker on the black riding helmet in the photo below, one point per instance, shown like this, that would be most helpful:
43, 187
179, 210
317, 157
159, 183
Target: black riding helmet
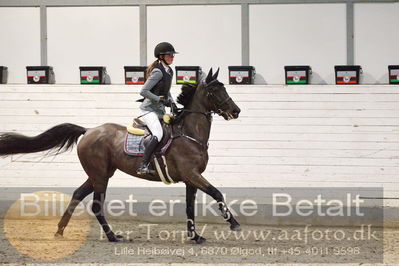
164, 48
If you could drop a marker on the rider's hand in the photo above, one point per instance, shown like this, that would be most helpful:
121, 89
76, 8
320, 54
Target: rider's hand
174, 106
164, 101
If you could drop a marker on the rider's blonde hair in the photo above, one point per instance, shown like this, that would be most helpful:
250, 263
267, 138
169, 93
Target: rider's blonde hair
151, 67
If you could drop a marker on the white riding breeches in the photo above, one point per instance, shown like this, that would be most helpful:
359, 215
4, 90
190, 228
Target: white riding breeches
152, 121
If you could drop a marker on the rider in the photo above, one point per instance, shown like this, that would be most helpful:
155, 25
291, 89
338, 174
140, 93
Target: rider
156, 93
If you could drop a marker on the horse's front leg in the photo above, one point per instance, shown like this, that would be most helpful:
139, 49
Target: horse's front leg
200, 182
190, 211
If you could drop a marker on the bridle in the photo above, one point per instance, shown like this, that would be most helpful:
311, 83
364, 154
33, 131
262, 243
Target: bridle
217, 106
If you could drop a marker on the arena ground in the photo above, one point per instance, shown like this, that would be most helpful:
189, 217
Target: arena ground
33, 242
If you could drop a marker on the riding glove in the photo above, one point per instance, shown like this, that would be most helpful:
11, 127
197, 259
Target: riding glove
166, 102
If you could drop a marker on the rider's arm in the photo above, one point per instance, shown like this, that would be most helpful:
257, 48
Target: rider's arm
154, 78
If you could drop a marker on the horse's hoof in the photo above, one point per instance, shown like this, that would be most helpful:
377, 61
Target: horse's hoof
236, 228
200, 240
115, 238
58, 235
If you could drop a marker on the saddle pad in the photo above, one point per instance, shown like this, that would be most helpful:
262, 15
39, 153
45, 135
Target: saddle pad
134, 144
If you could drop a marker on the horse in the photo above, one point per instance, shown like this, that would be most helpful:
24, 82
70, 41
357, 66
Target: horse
101, 153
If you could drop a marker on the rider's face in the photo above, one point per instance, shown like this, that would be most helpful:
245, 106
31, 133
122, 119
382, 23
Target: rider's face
169, 58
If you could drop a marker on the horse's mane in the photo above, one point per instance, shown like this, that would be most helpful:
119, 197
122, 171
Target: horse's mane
188, 91
186, 95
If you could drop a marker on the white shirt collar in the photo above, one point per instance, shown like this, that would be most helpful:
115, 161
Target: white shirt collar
167, 68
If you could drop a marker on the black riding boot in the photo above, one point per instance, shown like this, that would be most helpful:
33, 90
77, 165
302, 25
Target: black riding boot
149, 150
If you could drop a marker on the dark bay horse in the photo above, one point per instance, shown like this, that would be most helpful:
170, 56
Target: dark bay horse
101, 152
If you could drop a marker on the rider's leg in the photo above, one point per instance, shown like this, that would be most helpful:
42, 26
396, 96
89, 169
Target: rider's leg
152, 121
149, 150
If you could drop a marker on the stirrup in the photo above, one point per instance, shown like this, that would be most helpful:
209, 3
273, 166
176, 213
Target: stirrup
145, 170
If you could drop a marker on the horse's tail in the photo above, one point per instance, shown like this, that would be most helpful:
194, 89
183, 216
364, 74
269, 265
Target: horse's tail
59, 138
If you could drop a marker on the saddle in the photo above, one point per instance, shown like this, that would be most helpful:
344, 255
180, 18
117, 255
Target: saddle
138, 135
138, 128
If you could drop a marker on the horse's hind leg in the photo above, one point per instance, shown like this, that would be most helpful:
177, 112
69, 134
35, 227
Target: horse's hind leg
78, 195
97, 208
96, 157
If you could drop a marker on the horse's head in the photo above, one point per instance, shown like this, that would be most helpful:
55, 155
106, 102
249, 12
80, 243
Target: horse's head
218, 99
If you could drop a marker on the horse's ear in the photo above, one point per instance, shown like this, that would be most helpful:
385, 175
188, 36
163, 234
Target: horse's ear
209, 77
216, 74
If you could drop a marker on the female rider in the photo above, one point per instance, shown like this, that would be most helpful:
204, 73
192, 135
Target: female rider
156, 93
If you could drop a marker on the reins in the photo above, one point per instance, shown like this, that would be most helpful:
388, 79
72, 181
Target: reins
208, 116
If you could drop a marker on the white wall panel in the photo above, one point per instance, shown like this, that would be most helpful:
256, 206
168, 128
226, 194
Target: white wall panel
92, 36
206, 36
20, 41
307, 34
376, 40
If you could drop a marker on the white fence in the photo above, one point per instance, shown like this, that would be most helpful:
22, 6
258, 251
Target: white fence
286, 135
